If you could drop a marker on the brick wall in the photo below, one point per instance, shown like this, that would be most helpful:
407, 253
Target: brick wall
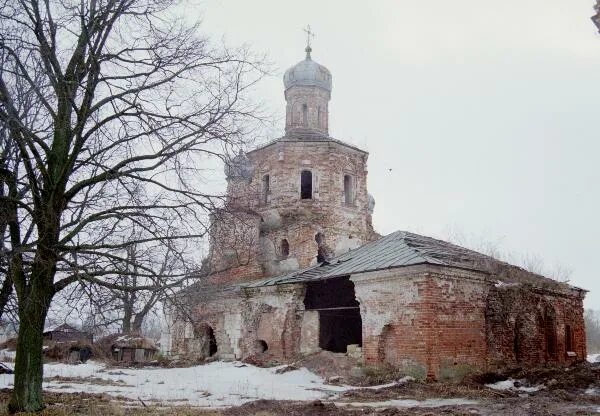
248, 233
442, 323
528, 326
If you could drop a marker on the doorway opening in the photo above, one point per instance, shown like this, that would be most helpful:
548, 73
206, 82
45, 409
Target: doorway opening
340, 323
205, 337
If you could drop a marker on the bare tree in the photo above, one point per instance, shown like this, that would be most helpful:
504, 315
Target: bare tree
128, 309
592, 330
531, 262
596, 17
127, 103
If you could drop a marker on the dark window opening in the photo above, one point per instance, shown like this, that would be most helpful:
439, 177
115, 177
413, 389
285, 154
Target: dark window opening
518, 341
261, 345
304, 115
340, 323
266, 182
348, 190
284, 248
550, 334
306, 184
569, 344
322, 250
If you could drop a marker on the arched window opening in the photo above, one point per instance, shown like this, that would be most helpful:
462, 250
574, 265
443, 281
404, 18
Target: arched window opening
322, 252
348, 190
550, 334
518, 340
304, 115
306, 184
319, 125
569, 344
261, 345
284, 248
266, 189
388, 349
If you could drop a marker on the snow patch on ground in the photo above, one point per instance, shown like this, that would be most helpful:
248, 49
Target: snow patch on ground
404, 403
403, 380
510, 385
214, 385
593, 358
6, 355
218, 384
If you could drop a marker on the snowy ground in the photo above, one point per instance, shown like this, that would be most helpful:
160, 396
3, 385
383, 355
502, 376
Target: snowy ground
217, 384
214, 385
223, 384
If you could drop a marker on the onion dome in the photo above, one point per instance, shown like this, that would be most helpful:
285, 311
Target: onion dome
307, 73
239, 167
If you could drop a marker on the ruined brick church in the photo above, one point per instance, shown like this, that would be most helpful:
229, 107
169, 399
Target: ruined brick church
295, 267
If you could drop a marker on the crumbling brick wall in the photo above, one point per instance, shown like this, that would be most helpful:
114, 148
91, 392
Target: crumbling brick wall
252, 226
272, 315
526, 325
442, 323
430, 324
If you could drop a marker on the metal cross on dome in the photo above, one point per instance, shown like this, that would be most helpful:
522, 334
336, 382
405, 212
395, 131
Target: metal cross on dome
309, 34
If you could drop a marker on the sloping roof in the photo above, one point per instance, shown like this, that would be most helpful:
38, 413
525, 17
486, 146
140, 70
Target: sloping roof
61, 328
401, 249
306, 137
132, 341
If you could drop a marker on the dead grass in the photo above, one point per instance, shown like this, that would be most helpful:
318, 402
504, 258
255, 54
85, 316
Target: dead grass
88, 380
80, 404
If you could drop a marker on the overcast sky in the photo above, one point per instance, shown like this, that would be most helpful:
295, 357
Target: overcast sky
481, 118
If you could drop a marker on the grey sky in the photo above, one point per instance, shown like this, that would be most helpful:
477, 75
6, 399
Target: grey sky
479, 116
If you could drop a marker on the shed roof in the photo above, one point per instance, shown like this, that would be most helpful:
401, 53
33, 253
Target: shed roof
401, 249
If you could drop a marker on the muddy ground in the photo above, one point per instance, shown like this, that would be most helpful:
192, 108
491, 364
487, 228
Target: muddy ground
483, 401
562, 391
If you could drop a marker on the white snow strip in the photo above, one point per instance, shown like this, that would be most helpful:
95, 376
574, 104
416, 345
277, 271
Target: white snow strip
403, 380
217, 384
593, 358
510, 385
404, 403
6, 355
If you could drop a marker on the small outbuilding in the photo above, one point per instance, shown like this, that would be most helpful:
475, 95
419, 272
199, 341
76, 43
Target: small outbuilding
67, 333
132, 349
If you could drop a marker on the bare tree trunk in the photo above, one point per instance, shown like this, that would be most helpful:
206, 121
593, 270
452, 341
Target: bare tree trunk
137, 323
127, 315
27, 391
5, 292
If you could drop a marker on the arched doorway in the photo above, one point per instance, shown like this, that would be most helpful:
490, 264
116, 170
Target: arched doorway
207, 342
388, 347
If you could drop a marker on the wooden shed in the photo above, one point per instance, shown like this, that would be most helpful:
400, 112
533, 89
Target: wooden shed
133, 349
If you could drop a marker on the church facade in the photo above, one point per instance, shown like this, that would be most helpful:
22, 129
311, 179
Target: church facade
295, 267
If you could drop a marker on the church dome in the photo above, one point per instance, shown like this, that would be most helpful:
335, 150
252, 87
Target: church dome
239, 167
307, 73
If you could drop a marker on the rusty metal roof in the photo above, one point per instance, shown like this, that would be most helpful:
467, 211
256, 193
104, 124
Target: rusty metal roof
401, 249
